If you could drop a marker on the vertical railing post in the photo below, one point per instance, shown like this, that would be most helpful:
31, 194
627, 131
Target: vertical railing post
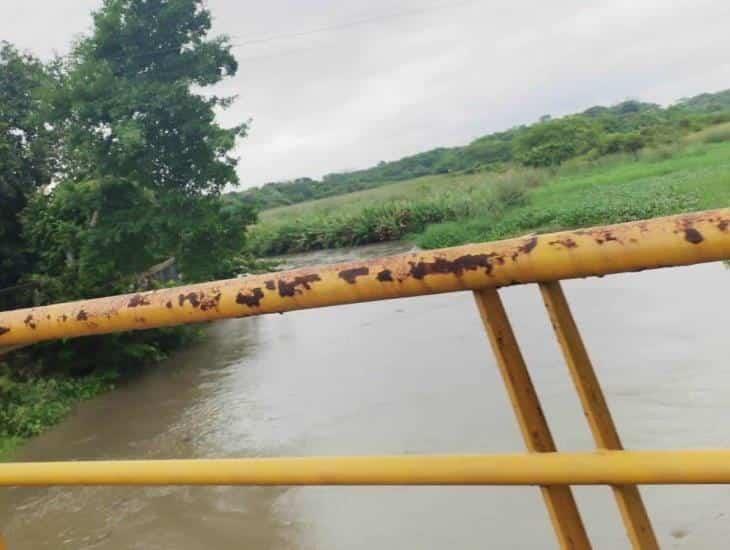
560, 503
635, 518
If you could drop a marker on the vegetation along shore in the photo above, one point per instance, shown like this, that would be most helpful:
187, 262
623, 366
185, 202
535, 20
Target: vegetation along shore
605, 165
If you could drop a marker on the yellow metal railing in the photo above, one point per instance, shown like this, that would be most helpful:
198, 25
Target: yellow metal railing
482, 268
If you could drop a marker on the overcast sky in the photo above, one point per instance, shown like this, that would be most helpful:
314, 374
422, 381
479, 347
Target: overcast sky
422, 74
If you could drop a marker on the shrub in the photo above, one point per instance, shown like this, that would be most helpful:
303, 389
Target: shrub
552, 142
443, 235
27, 407
717, 135
509, 193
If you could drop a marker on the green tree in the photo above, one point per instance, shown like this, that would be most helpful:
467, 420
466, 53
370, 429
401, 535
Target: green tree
144, 159
142, 167
555, 141
26, 159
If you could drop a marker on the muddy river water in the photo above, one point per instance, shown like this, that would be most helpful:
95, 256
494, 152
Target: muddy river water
403, 376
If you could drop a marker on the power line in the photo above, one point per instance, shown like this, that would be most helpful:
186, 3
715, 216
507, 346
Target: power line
350, 24
329, 28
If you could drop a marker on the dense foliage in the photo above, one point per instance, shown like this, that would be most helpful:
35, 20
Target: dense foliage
111, 161
144, 160
693, 176
626, 127
26, 159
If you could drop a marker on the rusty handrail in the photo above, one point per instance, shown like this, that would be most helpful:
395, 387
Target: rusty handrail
660, 242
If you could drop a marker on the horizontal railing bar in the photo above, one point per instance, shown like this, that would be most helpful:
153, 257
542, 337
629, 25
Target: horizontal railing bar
662, 242
594, 468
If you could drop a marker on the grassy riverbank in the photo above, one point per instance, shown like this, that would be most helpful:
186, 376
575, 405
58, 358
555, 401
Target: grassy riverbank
696, 178
389, 213
30, 406
447, 210
41, 384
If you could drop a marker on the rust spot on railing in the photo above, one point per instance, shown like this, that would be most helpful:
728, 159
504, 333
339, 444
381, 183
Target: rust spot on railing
4, 330
528, 246
82, 316
600, 236
138, 300
468, 262
567, 242
30, 322
191, 297
607, 237
210, 302
250, 300
692, 235
290, 288
351, 275
385, 276
686, 225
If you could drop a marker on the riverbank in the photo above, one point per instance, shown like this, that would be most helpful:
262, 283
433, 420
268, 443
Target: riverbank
662, 183
40, 385
448, 210
31, 406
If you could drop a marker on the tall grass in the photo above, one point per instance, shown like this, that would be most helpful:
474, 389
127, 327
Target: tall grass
714, 134
693, 178
438, 211
387, 220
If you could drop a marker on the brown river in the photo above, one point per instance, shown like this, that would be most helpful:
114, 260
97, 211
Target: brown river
404, 376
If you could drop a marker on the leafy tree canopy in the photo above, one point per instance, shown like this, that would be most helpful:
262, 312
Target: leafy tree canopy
129, 103
144, 159
26, 155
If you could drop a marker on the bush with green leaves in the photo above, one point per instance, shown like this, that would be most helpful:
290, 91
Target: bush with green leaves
28, 407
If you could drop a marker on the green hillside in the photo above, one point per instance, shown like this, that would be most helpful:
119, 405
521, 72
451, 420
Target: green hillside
690, 174
626, 127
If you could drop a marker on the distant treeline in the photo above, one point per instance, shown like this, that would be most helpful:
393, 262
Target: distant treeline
626, 127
